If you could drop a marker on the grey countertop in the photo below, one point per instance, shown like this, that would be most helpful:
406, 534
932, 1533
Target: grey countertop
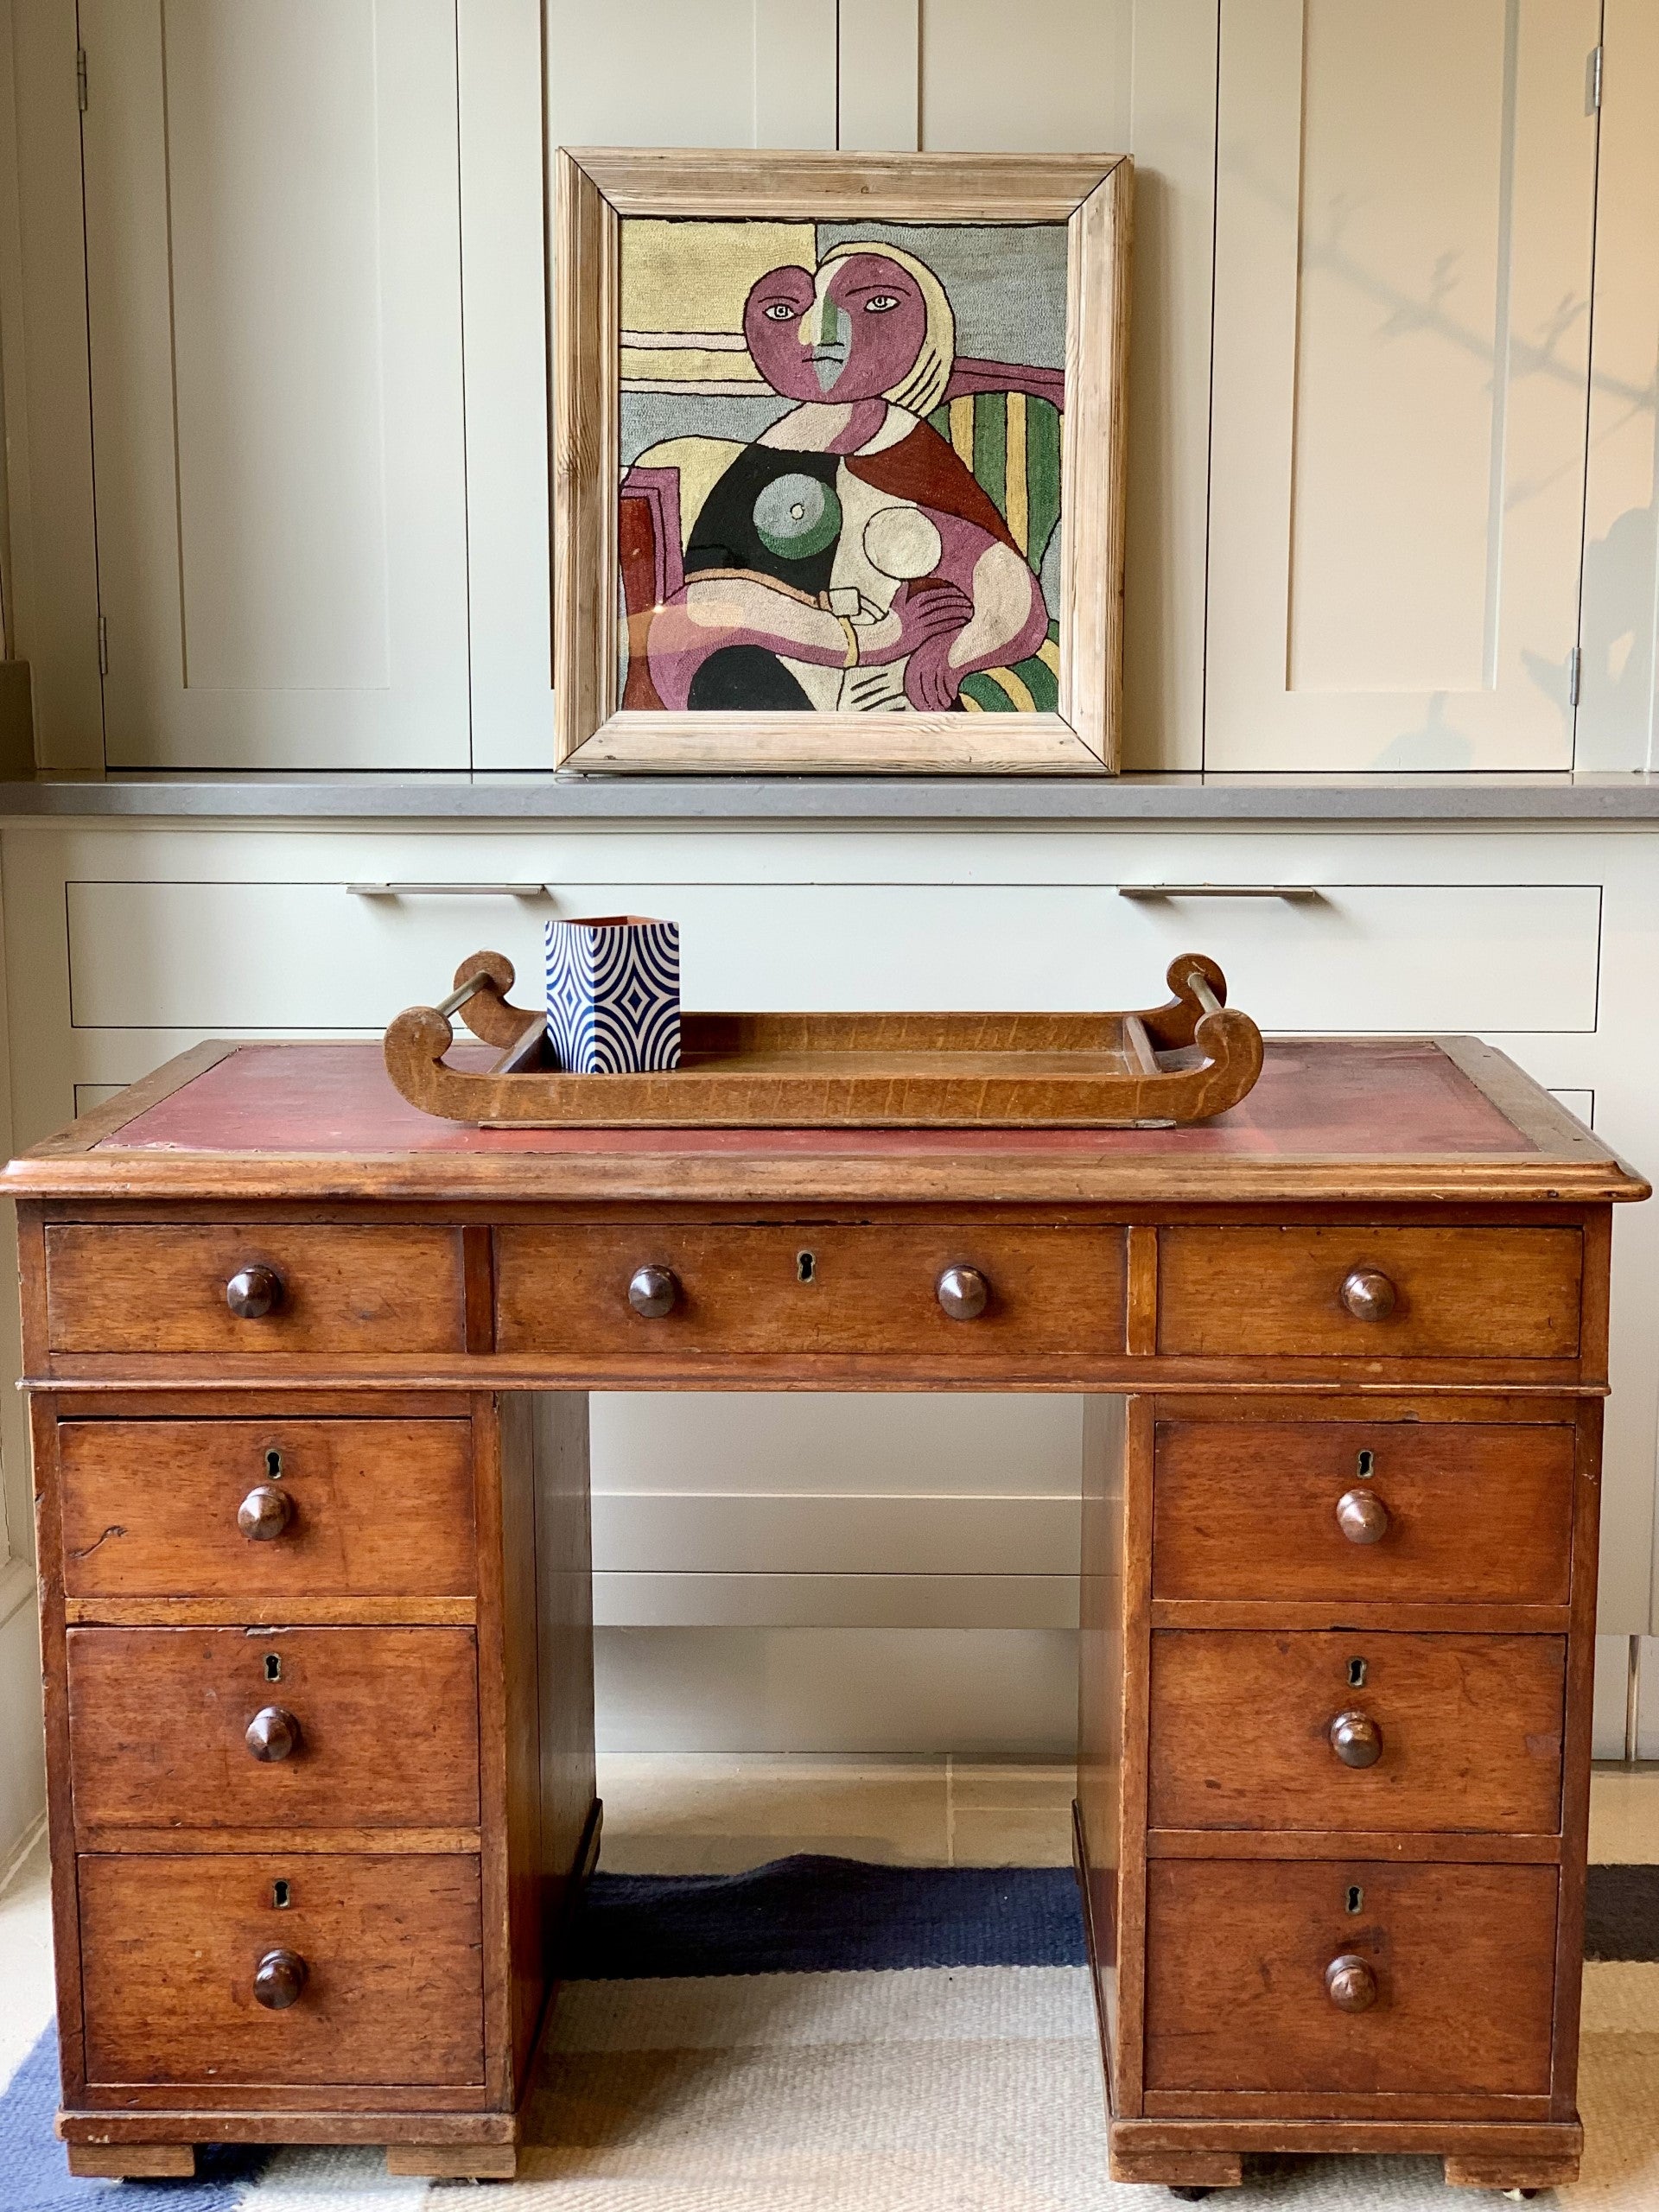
1102, 802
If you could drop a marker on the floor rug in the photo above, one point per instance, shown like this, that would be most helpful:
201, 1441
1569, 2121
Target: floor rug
822, 2036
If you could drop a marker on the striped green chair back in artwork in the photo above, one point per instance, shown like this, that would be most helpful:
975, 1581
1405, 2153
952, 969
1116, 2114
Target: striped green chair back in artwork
1011, 442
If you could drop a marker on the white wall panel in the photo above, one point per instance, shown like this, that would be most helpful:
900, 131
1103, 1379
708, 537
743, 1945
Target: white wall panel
970, 1444
833, 1533
1049, 76
725, 73
273, 275
504, 337
979, 1693
878, 93
1173, 139
52, 579
1404, 227
1617, 725
625, 1598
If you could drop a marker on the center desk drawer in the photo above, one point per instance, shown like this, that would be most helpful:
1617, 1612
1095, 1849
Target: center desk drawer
221, 1728
322, 1287
1365, 1293
388, 1952
814, 1288
1355, 1730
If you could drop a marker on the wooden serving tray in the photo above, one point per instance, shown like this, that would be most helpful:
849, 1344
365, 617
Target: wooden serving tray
1182, 1062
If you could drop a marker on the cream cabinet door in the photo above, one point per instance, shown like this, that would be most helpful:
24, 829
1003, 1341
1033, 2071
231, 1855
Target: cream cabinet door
1403, 235
659, 72
274, 291
1048, 76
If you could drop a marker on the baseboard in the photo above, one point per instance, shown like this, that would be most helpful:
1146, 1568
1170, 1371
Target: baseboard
14, 1865
22, 1749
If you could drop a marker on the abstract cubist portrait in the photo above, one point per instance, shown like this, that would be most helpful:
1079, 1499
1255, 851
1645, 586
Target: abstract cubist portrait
841, 465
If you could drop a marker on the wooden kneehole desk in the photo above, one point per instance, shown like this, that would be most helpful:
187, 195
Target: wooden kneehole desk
308, 1374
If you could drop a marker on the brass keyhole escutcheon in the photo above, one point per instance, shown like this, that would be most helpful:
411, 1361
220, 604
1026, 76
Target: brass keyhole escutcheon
1356, 1673
806, 1267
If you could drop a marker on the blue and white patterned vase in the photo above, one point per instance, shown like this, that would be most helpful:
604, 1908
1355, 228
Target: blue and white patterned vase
613, 995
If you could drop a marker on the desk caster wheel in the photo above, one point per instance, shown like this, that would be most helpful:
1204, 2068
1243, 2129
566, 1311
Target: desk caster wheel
1188, 2195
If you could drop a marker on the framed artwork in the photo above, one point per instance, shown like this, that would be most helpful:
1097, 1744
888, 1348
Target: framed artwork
839, 460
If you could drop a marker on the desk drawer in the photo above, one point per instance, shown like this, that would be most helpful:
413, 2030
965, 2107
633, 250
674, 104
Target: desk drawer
1432, 1293
364, 1509
813, 1287
338, 1289
1463, 1959
392, 1989
1246, 1724
386, 1722
1470, 1513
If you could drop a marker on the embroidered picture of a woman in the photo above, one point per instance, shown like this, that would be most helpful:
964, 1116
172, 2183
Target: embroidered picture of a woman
841, 450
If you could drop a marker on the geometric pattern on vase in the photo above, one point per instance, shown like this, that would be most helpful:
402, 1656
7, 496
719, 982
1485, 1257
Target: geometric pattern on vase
613, 995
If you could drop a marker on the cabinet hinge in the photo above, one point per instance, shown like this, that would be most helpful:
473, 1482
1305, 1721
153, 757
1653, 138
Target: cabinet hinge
1574, 668
103, 647
1595, 80
81, 77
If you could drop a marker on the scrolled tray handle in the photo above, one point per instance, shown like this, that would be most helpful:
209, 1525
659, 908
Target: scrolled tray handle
418, 1039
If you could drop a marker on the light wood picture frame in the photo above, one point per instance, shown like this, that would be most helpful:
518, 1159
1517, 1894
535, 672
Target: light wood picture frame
657, 666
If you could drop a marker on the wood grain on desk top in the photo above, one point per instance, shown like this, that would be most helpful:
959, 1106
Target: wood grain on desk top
1449, 1118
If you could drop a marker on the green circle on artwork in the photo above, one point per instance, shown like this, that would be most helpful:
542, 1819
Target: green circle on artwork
796, 516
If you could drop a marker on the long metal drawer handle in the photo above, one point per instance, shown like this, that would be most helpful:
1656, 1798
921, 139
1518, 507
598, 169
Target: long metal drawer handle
1304, 892
449, 890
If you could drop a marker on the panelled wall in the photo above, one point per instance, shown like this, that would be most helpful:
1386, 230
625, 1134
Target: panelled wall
1387, 372
273, 332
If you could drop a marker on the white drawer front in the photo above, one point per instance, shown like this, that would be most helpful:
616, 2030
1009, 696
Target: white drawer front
1496, 958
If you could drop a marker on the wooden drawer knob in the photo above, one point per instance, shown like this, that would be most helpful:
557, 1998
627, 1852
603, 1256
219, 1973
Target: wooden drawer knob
963, 1292
1368, 1294
1350, 1984
653, 1291
273, 1733
266, 1511
1356, 1739
1362, 1516
252, 1292
278, 1980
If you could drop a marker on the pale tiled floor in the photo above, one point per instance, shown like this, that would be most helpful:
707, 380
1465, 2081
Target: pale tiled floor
665, 1813
1624, 1815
